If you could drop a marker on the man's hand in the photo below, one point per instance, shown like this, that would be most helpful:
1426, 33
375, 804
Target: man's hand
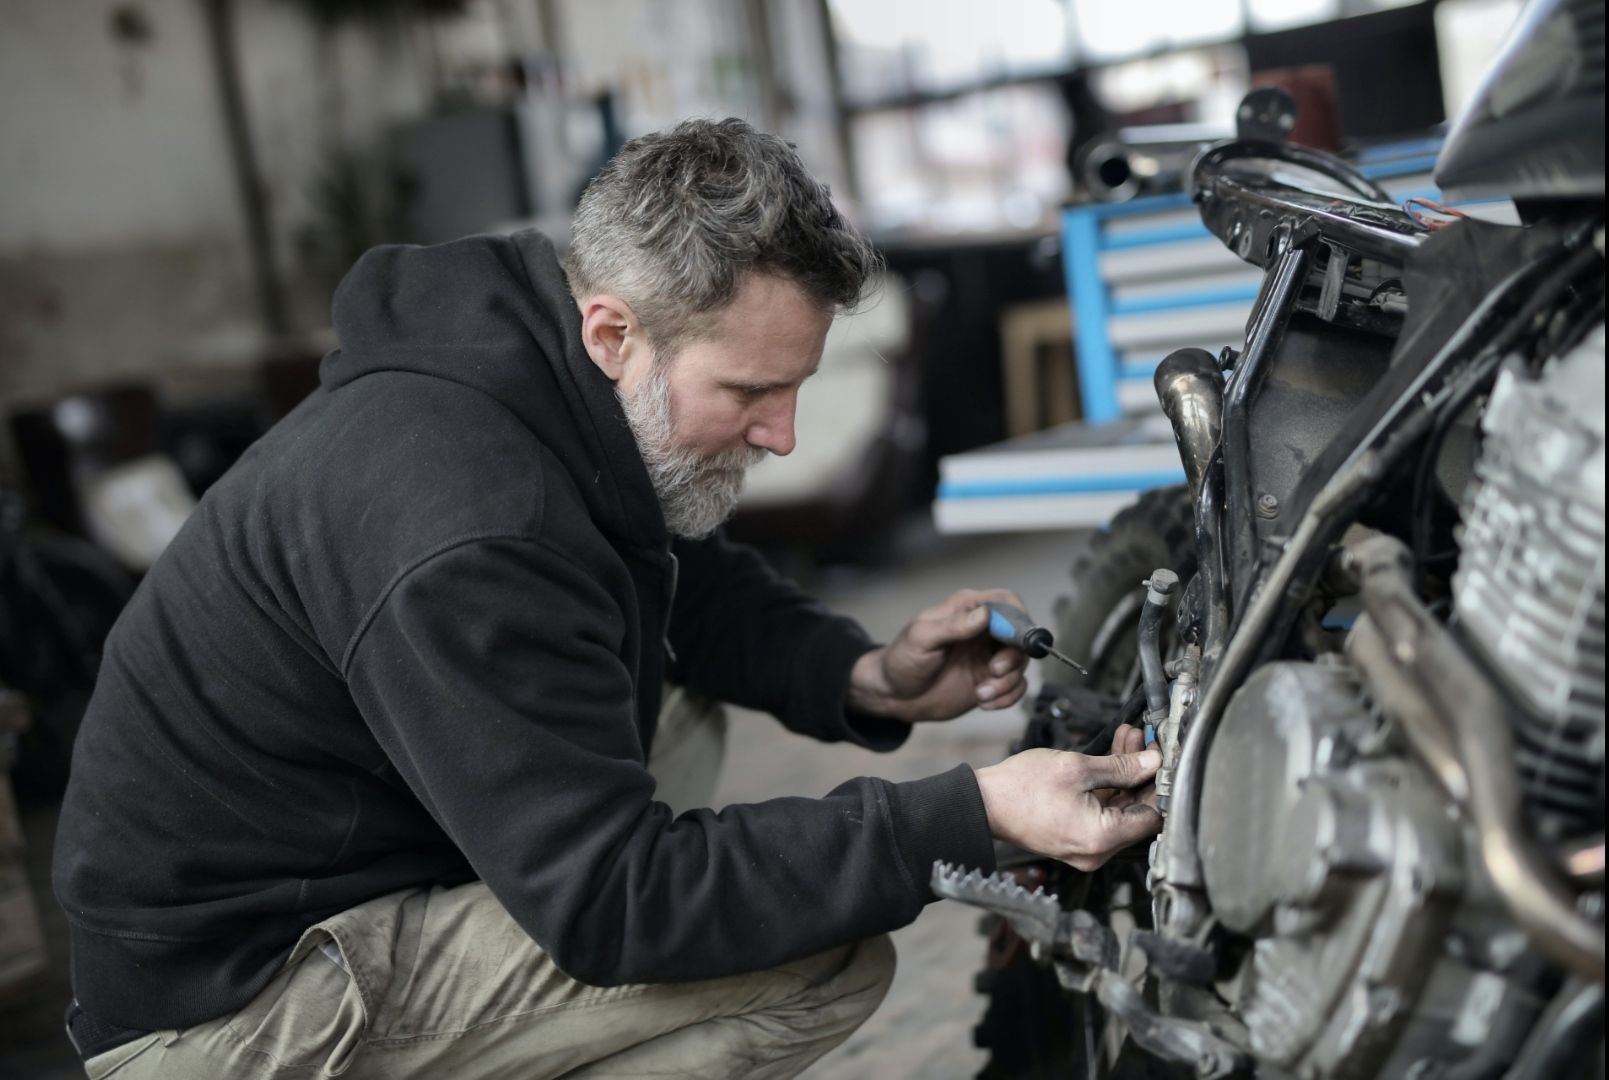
1078, 809
941, 665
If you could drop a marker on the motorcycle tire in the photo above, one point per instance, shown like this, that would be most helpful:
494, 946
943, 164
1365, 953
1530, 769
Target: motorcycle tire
1030, 1028
1097, 620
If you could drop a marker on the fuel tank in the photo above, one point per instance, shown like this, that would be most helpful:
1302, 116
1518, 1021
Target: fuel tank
1534, 128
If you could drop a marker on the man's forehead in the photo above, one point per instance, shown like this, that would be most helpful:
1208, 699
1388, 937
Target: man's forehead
771, 333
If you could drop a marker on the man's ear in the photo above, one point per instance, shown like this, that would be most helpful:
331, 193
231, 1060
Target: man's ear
612, 335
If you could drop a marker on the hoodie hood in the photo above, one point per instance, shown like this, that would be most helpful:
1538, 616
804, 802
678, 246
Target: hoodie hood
495, 313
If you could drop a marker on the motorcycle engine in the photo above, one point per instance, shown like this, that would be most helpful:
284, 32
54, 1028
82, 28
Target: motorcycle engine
1336, 854
1376, 948
1529, 591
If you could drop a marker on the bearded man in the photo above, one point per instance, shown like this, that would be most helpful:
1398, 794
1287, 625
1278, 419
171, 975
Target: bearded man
364, 788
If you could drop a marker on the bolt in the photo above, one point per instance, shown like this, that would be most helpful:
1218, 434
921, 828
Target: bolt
1267, 506
1383, 1003
1162, 581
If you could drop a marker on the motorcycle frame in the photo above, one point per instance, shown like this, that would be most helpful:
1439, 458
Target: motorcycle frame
1282, 229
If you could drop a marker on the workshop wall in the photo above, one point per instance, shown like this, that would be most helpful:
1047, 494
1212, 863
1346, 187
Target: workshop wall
122, 245
763, 60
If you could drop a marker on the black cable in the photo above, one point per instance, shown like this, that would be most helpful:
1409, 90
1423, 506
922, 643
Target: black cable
1423, 505
1101, 742
1546, 294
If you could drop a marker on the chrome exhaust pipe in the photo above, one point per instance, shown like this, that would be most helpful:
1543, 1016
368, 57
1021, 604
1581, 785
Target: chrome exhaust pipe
1107, 171
1454, 716
1142, 160
1190, 386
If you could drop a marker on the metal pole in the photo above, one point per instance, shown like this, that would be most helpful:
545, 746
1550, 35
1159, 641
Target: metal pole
220, 19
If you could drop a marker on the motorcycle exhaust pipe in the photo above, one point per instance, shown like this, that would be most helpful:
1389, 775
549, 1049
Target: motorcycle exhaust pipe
1145, 159
1455, 716
1190, 386
1108, 172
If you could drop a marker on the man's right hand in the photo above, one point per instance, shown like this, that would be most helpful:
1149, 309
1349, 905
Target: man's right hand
1078, 809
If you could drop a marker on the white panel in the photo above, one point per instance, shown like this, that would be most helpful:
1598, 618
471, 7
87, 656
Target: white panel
1208, 327
1143, 223
1029, 513
1137, 396
1146, 358
1207, 255
1089, 461
1225, 275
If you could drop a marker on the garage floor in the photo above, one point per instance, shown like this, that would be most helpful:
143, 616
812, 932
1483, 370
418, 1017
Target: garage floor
924, 1028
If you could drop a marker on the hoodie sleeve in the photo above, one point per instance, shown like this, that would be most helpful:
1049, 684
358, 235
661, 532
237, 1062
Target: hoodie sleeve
513, 725
744, 634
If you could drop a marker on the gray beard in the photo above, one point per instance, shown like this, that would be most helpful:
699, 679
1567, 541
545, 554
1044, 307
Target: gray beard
696, 492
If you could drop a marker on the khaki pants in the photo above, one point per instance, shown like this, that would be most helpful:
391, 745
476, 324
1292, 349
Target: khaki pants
438, 982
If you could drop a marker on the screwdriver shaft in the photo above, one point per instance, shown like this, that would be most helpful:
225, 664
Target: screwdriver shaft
1069, 661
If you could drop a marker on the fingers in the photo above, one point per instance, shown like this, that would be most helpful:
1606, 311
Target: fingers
957, 618
1002, 693
1121, 797
1036, 799
1122, 826
1118, 770
1004, 679
1007, 660
1128, 740
1118, 827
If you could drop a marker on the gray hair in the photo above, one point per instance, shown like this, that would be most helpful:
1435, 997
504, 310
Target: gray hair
678, 219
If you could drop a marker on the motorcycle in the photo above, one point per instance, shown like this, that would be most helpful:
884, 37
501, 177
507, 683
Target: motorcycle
1370, 645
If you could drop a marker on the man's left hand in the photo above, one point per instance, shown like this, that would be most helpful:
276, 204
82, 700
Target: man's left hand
942, 664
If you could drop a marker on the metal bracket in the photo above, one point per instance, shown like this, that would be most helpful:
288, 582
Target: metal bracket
1267, 114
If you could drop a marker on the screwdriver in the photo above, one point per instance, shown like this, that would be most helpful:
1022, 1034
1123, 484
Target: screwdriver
1011, 625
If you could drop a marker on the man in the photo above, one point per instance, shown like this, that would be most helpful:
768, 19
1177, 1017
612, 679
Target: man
363, 788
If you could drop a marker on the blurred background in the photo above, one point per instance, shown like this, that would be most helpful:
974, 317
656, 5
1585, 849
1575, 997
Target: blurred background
184, 182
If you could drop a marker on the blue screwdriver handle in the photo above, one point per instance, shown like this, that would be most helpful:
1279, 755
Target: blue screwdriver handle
1008, 624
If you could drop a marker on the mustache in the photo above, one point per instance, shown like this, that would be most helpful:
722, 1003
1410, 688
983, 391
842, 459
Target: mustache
739, 459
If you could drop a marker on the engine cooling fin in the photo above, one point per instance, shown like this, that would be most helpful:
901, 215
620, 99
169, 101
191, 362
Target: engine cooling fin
1529, 590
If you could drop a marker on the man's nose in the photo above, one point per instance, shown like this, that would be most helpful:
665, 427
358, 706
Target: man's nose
773, 431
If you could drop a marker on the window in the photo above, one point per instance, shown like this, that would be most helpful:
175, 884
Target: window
892, 49
989, 160
1109, 31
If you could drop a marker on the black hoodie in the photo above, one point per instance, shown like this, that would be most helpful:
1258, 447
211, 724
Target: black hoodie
418, 635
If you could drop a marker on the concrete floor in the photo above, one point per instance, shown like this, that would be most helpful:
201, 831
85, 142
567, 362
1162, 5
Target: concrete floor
924, 1028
